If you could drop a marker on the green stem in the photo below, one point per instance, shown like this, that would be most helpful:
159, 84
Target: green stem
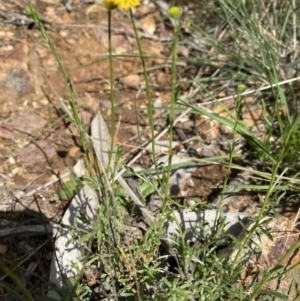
173, 100
75, 117
270, 190
112, 94
148, 94
232, 147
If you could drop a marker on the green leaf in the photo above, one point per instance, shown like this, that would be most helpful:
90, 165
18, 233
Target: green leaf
147, 188
70, 188
276, 294
86, 237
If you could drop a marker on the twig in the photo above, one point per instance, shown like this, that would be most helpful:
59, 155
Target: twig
254, 90
34, 191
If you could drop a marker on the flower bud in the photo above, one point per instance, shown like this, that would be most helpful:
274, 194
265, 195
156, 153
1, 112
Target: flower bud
174, 12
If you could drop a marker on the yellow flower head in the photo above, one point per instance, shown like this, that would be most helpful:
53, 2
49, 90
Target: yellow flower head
109, 4
175, 12
127, 4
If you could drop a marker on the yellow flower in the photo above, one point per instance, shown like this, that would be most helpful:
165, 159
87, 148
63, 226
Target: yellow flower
127, 4
109, 4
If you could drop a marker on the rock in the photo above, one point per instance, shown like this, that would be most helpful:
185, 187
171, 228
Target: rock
74, 152
92, 103
145, 9
27, 121
131, 81
86, 117
163, 79
40, 151
15, 81
158, 103
184, 51
284, 236
190, 219
6, 131
148, 25
206, 127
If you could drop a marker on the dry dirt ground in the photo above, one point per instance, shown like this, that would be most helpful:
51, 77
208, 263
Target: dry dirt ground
37, 141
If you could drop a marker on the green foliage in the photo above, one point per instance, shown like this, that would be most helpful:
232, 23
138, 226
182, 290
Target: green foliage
70, 188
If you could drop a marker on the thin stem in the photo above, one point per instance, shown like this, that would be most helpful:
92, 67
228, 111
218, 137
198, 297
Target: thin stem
172, 107
232, 147
148, 94
75, 117
112, 94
